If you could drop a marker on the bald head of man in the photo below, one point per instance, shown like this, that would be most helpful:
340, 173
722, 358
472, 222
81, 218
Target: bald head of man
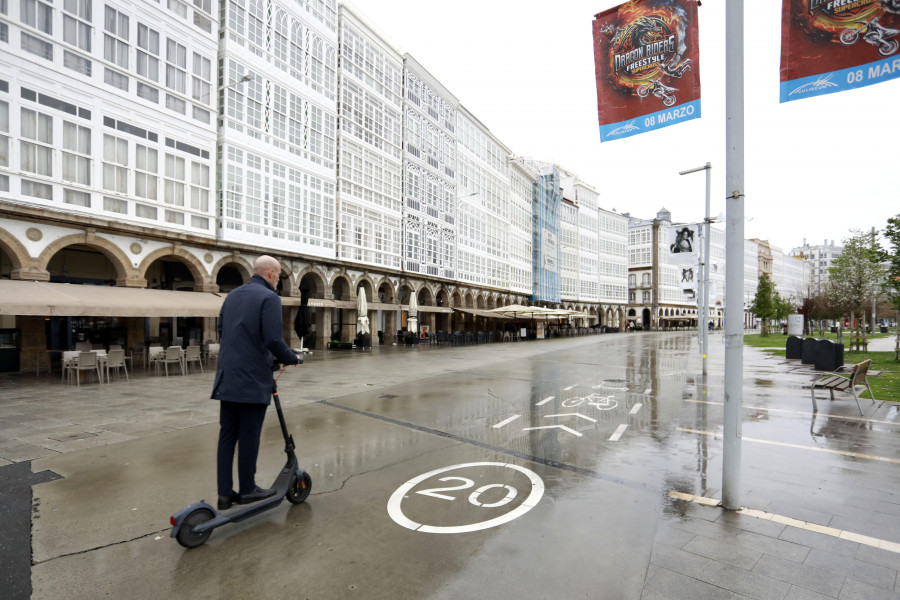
268, 268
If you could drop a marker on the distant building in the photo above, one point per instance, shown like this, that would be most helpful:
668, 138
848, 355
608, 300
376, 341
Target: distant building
664, 283
820, 258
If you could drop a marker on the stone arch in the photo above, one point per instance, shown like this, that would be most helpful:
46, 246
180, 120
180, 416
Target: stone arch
240, 264
443, 297
470, 300
385, 293
313, 281
17, 253
479, 301
456, 299
125, 274
365, 282
341, 288
404, 293
193, 264
425, 296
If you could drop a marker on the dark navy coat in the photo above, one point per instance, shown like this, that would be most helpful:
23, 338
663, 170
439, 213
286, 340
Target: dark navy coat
251, 340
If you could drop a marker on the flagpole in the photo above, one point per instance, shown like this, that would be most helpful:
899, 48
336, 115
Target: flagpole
734, 251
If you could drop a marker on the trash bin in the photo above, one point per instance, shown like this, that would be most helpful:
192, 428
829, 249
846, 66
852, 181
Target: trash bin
808, 354
381, 338
829, 355
884, 329
794, 347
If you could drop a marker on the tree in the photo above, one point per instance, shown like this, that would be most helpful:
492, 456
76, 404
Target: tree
784, 307
891, 284
855, 274
763, 306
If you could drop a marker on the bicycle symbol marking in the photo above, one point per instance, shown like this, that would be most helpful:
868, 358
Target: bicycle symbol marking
596, 400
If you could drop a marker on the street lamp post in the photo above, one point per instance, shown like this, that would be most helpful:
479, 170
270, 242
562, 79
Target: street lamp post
704, 271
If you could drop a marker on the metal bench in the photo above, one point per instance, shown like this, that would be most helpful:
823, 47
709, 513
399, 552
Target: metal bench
844, 383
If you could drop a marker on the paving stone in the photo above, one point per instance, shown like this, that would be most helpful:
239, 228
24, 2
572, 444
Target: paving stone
873, 574
727, 551
670, 536
799, 593
811, 578
680, 561
676, 586
818, 540
856, 590
750, 584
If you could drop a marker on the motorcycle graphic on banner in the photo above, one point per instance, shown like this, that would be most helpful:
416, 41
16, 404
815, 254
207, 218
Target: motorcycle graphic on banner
829, 46
646, 62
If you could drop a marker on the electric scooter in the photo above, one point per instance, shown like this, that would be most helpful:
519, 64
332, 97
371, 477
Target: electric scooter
193, 525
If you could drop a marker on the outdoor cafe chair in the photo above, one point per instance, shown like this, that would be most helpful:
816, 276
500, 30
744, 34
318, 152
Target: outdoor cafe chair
69, 360
115, 359
192, 354
84, 346
87, 361
155, 356
212, 353
173, 355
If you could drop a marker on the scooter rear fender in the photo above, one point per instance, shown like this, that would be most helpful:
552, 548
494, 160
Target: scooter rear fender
184, 512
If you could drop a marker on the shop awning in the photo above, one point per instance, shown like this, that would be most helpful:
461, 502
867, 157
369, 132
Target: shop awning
435, 309
483, 313
40, 298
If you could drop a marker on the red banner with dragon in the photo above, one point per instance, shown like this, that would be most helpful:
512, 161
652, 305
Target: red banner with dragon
646, 60
830, 46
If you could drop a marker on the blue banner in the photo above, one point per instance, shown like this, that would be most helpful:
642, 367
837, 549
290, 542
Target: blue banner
651, 121
839, 81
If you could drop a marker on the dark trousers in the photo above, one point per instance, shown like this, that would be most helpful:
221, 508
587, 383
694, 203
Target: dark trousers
240, 424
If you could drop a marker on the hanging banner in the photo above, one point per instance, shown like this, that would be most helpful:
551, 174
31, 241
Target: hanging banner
829, 46
646, 61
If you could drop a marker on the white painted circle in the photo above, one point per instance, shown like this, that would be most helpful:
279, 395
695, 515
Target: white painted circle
396, 512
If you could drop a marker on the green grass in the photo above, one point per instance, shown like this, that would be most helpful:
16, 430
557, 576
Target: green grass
885, 386
779, 340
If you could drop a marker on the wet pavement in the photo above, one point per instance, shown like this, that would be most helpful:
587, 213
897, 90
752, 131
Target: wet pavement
567, 468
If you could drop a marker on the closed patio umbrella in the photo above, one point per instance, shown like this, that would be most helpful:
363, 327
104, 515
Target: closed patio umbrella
362, 313
302, 322
412, 322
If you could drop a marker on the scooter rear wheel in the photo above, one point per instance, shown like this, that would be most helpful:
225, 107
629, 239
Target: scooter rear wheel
188, 538
299, 489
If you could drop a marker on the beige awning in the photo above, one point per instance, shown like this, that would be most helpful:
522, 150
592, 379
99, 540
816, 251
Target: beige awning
483, 313
435, 309
40, 298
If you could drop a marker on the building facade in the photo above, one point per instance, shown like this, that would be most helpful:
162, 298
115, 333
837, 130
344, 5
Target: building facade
820, 258
170, 146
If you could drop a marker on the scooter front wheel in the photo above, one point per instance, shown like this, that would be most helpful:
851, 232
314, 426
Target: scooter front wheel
299, 489
186, 537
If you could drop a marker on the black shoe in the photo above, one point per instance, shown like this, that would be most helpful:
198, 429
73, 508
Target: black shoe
225, 502
255, 495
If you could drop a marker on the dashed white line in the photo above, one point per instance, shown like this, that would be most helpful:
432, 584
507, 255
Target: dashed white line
798, 446
566, 389
592, 420
506, 421
563, 427
618, 432
647, 391
634, 409
545, 400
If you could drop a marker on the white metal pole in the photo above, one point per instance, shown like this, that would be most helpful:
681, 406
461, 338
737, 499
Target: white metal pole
734, 251
706, 264
703, 300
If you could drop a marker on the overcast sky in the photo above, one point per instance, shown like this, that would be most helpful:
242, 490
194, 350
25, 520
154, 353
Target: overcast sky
814, 168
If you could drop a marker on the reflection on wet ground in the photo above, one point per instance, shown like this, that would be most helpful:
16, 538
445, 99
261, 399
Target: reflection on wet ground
415, 451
